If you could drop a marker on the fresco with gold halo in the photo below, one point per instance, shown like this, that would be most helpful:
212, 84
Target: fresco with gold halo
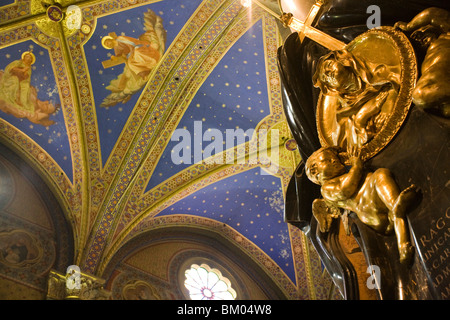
29, 99
116, 84
95, 98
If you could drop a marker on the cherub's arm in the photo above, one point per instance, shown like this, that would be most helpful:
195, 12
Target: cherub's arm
345, 186
436, 17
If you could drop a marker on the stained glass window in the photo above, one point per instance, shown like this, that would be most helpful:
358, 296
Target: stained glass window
205, 283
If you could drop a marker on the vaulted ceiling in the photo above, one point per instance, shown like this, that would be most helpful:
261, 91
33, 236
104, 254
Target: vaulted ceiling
111, 167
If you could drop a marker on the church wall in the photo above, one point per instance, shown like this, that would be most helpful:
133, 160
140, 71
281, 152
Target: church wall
33, 236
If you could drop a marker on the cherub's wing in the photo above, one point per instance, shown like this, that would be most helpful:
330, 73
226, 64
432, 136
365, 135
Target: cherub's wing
154, 30
122, 93
155, 35
324, 214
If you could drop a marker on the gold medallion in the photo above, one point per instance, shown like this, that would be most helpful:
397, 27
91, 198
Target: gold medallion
366, 91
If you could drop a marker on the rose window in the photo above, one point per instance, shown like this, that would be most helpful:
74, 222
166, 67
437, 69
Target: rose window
205, 283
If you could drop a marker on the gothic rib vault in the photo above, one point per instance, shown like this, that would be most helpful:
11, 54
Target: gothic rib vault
110, 167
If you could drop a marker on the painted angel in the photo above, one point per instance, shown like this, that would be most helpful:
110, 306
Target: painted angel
361, 95
140, 56
431, 28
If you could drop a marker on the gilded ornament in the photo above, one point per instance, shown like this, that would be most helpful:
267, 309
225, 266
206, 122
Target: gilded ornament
55, 13
431, 30
139, 290
86, 29
60, 15
366, 91
291, 145
373, 196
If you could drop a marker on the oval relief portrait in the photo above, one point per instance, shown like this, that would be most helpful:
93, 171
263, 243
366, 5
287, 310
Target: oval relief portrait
366, 91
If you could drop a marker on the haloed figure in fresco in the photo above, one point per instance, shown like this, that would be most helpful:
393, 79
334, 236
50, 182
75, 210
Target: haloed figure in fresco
18, 97
139, 55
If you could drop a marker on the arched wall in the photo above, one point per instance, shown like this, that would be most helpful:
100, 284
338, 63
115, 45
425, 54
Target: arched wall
160, 257
34, 234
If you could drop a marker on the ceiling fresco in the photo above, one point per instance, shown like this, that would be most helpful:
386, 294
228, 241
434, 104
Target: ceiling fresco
102, 136
113, 112
51, 135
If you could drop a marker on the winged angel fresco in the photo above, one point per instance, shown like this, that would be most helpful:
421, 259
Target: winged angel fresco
373, 196
140, 56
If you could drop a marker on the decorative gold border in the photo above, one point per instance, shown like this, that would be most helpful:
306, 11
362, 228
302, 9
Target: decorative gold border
152, 102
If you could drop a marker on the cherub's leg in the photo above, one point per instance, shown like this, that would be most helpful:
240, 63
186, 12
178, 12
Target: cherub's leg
397, 203
398, 215
386, 187
370, 109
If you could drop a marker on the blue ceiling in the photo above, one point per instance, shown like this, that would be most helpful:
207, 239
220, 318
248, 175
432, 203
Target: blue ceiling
250, 202
53, 138
235, 93
233, 96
